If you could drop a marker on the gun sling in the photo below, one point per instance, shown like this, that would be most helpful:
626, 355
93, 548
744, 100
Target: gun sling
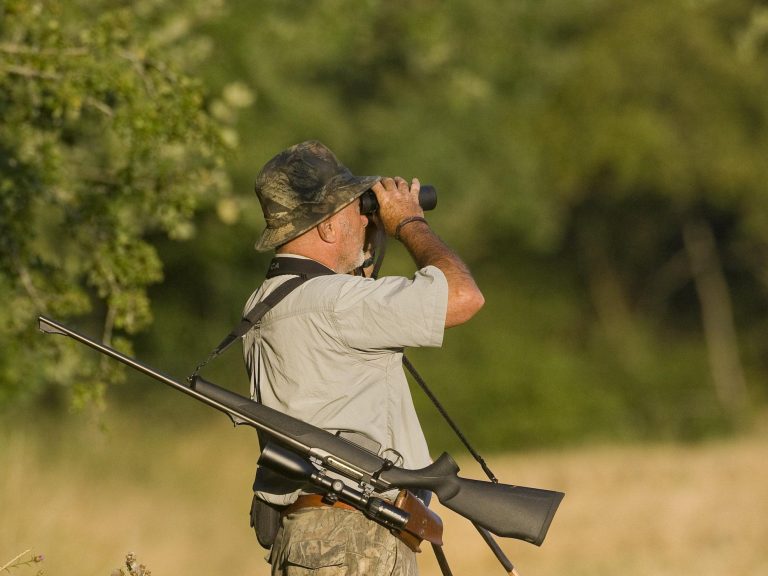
303, 269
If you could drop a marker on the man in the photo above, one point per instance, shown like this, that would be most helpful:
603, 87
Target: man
330, 352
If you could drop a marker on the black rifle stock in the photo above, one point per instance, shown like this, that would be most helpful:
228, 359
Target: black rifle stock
505, 510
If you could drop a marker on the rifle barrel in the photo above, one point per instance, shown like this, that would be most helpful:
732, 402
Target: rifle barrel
49, 326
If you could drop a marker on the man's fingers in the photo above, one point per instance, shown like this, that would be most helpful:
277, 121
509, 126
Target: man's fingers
402, 184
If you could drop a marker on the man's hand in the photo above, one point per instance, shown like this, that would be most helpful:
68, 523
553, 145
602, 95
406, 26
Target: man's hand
397, 201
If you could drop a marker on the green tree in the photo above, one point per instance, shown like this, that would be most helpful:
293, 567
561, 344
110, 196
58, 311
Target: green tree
601, 165
652, 147
106, 139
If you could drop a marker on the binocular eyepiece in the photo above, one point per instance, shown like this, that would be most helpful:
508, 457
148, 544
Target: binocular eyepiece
427, 200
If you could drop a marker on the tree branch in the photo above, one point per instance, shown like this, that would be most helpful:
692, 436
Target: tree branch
31, 72
716, 315
35, 51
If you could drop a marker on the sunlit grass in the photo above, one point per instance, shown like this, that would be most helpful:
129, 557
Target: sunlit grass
177, 492
24, 560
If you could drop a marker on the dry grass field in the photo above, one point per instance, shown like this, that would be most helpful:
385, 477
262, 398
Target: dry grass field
177, 497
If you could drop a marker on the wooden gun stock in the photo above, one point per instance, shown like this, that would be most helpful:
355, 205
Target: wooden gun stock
423, 523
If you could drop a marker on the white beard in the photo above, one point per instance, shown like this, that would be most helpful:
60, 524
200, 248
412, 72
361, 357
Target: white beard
349, 267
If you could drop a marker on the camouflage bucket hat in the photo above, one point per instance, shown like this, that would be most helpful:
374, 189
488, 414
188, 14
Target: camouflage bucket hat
301, 187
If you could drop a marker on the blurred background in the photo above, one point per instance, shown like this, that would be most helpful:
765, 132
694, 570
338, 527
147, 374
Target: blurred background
601, 165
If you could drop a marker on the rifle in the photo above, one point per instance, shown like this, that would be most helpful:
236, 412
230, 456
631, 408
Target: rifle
299, 450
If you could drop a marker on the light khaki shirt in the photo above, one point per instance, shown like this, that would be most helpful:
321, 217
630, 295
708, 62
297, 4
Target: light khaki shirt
330, 354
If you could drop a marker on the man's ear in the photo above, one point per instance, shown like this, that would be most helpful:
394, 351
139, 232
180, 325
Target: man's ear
327, 230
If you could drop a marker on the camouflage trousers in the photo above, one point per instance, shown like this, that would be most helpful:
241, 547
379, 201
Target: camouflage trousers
338, 542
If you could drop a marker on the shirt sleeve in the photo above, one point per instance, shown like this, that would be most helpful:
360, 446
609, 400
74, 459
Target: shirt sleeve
393, 312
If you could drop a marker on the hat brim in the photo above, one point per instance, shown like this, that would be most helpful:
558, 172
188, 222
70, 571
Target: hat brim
342, 196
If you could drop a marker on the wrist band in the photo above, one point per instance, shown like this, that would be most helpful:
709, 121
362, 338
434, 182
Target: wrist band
408, 220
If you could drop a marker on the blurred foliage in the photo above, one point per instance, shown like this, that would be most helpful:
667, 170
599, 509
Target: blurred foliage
105, 139
601, 165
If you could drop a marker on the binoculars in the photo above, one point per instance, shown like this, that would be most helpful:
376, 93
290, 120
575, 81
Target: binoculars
427, 200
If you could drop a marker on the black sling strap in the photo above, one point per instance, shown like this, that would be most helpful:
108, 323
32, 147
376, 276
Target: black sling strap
302, 268
307, 269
